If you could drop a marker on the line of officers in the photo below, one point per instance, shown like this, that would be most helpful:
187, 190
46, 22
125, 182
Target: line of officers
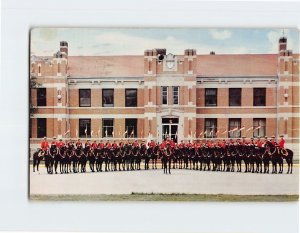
210, 143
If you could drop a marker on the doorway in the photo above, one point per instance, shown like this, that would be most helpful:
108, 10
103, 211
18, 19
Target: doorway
170, 128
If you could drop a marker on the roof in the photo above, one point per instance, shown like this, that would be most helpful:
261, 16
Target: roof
106, 66
237, 65
207, 65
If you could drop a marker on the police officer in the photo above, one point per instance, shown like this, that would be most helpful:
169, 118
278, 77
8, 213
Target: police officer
44, 145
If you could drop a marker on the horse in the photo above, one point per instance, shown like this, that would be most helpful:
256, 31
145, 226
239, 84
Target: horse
38, 156
288, 154
148, 155
99, 153
275, 157
92, 159
266, 159
206, 157
200, 157
82, 161
176, 152
57, 159
49, 159
154, 157
65, 160
118, 157
258, 152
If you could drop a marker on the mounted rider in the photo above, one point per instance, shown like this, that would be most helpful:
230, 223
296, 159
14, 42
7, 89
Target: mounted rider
78, 144
44, 144
281, 142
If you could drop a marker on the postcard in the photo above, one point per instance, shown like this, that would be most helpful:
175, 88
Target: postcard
164, 114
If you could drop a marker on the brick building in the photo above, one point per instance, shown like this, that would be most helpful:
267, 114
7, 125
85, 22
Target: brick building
187, 97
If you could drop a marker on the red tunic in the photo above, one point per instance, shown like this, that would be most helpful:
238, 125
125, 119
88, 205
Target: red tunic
281, 143
101, 145
78, 144
60, 144
44, 145
152, 144
273, 142
108, 145
94, 145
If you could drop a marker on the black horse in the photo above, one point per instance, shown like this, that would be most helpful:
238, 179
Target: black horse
288, 155
49, 159
38, 156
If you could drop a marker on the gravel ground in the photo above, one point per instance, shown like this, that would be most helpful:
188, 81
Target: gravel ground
154, 181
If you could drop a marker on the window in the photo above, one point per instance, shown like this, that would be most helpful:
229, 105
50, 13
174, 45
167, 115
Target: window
235, 96
41, 96
84, 97
84, 128
131, 128
211, 96
234, 128
164, 95
175, 95
259, 127
130, 97
259, 97
41, 127
107, 128
108, 97
210, 127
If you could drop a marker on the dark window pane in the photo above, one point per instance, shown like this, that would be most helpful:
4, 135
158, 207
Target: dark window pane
211, 96
210, 127
108, 97
170, 120
85, 97
164, 95
235, 96
131, 128
41, 97
84, 127
175, 95
131, 97
41, 127
259, 97
233, 128
107, 128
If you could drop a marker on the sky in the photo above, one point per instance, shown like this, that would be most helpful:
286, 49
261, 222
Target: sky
134, 41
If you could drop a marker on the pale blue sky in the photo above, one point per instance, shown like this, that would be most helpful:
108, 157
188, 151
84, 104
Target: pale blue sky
133, 41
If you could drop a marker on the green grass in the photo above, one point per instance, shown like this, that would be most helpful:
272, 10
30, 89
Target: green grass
167, 197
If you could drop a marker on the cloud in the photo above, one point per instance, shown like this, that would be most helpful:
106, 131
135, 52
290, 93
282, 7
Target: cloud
128, 44
220, 34
273, 37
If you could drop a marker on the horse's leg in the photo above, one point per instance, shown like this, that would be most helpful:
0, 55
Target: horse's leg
34, 164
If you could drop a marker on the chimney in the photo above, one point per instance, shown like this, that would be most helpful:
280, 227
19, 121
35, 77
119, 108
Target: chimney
282, 43
64, 48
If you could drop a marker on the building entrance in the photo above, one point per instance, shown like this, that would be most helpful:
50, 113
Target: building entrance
170, 128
